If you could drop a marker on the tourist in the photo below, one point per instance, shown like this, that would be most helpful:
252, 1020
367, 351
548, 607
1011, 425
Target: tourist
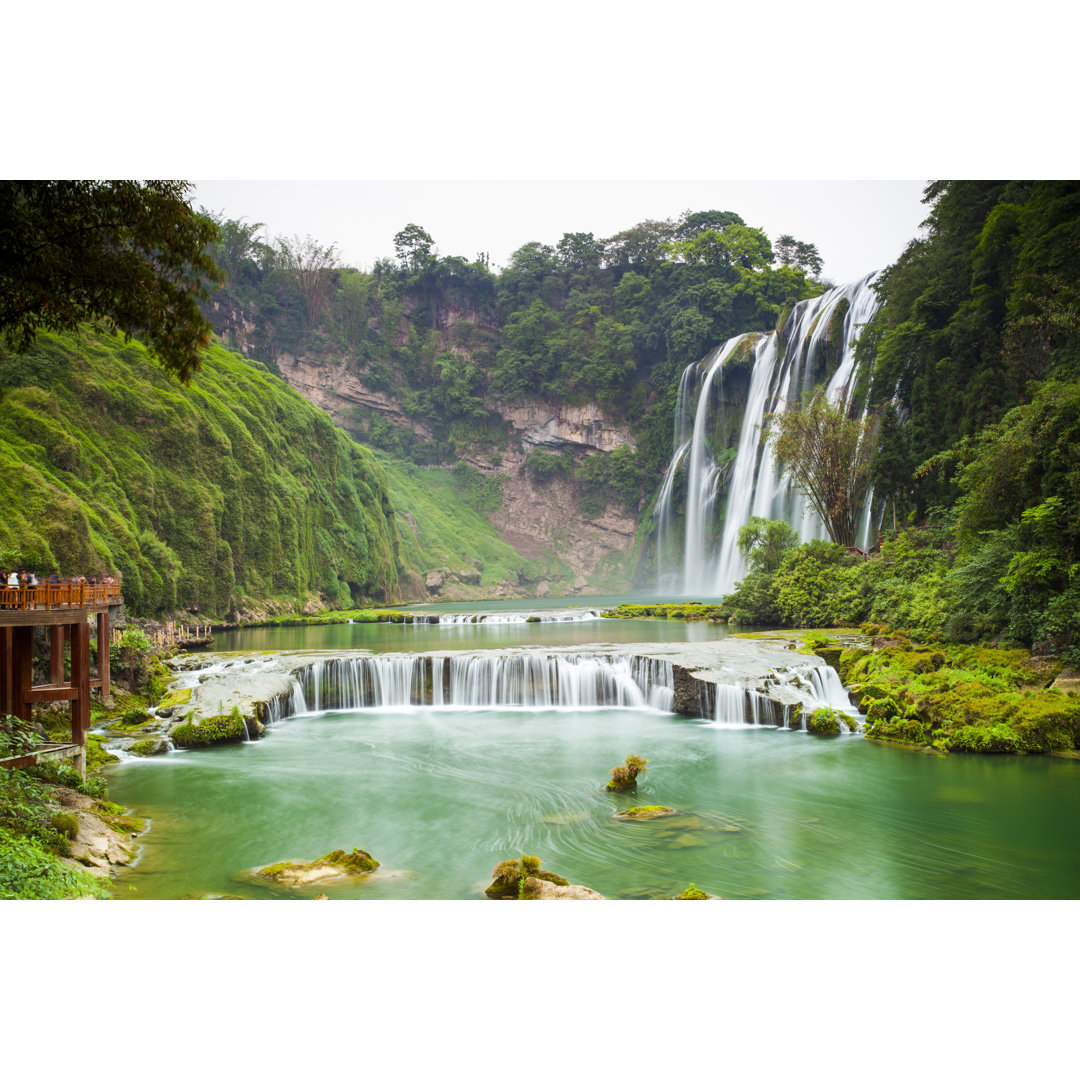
13, 580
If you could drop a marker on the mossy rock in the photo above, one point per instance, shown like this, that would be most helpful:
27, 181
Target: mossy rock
533, 619
174, 698
693, 893
824, 721
210, 730
149, 747
512, 877
644, 813
830, 654
334, 864
612, 785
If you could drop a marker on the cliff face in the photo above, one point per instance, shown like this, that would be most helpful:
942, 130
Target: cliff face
542, 521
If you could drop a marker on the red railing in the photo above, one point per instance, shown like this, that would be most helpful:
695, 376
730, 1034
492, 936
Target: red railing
66, 594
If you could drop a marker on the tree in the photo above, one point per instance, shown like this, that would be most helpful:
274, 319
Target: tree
792, 252
827, 453
312, 267
763, 544
130, 254
414, 248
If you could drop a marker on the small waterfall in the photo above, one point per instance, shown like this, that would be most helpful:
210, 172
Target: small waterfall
489, 679
496, 618
721, 496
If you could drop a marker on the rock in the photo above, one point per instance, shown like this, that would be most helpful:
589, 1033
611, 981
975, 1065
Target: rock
579, 583
537, 889
434, 580
543, 589
693, 893
149, 747
1067, 680
335, 864
644, 813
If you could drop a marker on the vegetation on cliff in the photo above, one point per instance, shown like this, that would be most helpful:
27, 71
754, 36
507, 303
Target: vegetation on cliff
611, 320
211, 497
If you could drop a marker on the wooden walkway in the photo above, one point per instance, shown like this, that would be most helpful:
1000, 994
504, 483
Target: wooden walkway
65, 609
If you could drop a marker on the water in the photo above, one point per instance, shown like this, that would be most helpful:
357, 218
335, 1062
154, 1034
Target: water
490, 633
439, 796
722, 495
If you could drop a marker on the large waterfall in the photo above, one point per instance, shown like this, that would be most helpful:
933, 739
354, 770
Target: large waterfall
490, 679
732, 475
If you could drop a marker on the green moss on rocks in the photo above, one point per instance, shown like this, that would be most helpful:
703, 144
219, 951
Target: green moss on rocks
209, 730
645, 813
824, 721
692, 892
511, 879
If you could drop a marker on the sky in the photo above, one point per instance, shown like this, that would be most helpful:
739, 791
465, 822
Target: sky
857, 225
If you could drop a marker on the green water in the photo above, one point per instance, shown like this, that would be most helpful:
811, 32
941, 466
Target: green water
440, 796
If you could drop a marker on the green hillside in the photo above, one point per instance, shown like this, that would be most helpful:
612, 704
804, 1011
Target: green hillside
212, 498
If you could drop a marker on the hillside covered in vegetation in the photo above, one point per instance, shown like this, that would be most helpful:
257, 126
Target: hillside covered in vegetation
227, 496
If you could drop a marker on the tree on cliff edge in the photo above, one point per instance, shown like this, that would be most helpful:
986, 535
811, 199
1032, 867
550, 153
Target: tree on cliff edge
130, 254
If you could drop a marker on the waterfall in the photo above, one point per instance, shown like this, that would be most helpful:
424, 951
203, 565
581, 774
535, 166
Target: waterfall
720, 495
488, 679
501, 617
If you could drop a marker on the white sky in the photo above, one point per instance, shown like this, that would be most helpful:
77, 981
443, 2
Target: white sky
858, 226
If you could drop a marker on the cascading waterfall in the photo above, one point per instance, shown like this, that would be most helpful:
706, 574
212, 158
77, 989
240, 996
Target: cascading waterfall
495, 679
785, 366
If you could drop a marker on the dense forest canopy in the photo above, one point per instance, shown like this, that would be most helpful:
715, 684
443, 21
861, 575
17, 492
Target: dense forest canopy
612, 320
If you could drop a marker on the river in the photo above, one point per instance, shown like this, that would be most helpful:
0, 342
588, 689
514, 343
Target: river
440, 795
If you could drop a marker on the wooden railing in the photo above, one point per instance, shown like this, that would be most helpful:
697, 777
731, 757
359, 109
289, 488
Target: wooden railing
65, 594
171, 634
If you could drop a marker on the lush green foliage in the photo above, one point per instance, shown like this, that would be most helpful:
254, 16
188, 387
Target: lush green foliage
609, 320
204, 498
956, 697
16, 737
828, 453
131, 254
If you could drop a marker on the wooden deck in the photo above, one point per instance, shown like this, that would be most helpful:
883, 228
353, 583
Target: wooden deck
65, 609
53, 751
42, 599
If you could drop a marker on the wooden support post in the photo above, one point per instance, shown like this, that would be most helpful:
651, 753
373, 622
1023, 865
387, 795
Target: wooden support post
22, 664
7, 678
103, 639
80, 683
56, 654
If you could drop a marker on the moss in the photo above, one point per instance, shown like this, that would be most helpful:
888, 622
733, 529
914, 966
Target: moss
145, 747
352, 862
124, 824
65, 824
690, 611
824, 721
516, 879
645, 812
96, 754
174, 698
209, 731
692, 892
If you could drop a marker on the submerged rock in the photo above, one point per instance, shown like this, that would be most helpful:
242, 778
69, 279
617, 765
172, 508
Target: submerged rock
644, 813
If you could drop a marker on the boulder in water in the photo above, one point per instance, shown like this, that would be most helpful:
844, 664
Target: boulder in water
337, 863
522, 879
